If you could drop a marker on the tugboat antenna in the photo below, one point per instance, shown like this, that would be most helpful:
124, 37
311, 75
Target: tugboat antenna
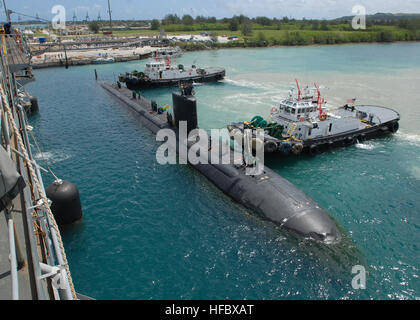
297, 83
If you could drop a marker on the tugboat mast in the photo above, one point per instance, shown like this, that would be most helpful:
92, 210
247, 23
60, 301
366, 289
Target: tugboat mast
110, 18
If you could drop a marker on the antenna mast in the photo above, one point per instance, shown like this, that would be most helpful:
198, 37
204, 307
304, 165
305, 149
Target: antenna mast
110, 18
299, 93
7, 11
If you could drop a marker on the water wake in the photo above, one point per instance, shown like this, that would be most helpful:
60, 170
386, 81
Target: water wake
413, 139
51, 157
366, 146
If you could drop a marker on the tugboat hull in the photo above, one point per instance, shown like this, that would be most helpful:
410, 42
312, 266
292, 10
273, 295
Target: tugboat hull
315, 146
384, 122
134, 83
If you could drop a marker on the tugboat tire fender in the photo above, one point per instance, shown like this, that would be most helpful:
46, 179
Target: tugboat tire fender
393, 127
350, 140
297, 149
313, 150
270, 146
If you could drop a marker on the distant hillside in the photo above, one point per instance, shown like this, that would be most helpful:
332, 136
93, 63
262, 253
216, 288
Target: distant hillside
386, 16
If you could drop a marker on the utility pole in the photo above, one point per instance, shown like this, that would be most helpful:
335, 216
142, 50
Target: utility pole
110, 18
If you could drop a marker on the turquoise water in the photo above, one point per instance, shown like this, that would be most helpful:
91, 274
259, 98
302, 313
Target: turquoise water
164, 232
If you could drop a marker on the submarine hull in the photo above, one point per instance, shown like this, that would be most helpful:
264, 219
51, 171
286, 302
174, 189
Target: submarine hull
274, 199
269, 195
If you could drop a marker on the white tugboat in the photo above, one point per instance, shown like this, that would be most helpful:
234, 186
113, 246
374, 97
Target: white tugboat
305, 123
162, 73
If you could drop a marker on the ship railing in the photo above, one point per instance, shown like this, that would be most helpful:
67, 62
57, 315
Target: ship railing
13, 256
45, 255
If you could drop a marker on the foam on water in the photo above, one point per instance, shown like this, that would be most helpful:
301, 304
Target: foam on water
413, 139
51, 157
366, 146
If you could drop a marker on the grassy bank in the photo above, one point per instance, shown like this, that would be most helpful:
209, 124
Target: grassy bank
299, 38
291, 33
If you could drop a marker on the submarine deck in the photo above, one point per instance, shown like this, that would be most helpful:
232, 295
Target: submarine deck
140, 105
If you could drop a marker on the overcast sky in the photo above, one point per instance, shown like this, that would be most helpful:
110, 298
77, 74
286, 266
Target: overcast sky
149, 9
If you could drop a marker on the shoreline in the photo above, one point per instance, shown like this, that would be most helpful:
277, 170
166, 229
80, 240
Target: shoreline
300, 46
89, 60
84, 61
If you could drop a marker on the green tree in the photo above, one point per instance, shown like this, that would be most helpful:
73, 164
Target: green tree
233, 24
171, 19
241, 19
246, 29
263, 21
155, 24
324, 25
386, 36
187, 20
200, 19
261, 39
94, 26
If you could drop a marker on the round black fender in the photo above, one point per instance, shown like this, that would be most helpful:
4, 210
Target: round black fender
297, 148
66, 206
34, 104
313, 150
393, 126
270, 146
349, 141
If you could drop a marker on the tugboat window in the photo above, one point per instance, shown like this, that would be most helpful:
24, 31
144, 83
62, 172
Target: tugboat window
293, 110
330, 127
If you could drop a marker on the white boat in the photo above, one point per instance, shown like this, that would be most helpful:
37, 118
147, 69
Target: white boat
103, 60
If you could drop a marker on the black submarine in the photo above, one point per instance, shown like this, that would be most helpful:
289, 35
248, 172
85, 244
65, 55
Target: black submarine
269, 195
